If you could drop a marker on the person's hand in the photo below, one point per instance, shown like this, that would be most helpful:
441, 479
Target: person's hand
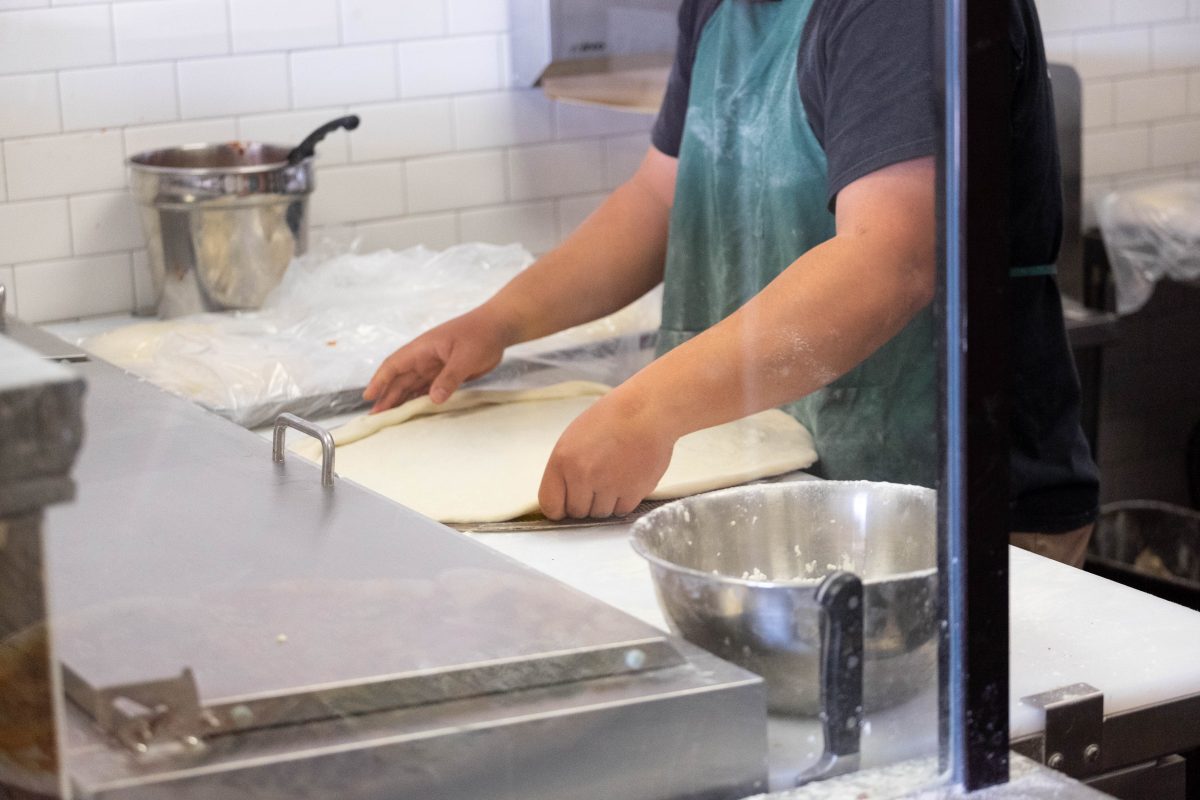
606, 462
439, 361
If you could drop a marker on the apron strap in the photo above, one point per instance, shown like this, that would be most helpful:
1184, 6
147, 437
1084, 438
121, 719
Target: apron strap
1033, 272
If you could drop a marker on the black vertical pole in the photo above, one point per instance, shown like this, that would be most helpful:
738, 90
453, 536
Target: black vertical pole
973, 558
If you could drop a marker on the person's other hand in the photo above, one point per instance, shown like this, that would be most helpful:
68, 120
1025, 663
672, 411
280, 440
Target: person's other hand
606, 462
438, 361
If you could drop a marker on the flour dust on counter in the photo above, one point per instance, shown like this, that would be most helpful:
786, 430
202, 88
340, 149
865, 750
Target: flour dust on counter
479, 457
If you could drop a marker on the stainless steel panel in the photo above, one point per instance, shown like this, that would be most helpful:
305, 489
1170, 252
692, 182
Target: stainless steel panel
689, 732
189, 549
44, 344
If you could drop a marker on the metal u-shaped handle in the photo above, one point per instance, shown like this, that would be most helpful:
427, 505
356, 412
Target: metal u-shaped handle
285, 421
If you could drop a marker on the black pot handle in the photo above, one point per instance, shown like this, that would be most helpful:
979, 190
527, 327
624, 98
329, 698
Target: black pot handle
307, 147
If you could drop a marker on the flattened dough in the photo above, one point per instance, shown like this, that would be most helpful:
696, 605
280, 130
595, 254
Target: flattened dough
479, 457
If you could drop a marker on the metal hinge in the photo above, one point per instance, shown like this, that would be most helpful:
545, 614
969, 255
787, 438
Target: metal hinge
143, 714
1074, 736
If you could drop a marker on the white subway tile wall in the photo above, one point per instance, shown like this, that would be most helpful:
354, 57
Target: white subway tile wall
170, 30
353, 193
1140, 65
59, 166
530, 224
459, 181
102, 98
74, 287
435, 231
104, 223
448, 151
270, 25
363, 74
549, 170
214, 87
36, 97
34, 230
402, 130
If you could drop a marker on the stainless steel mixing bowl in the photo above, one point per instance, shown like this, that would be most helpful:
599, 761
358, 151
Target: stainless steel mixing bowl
737, 571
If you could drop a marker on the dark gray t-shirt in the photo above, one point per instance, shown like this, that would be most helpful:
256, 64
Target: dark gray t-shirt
865, 72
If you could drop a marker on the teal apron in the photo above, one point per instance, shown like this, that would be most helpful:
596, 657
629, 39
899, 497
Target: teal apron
750, 200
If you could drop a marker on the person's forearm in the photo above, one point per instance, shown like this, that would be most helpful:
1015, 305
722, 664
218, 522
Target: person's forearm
823, 316
612, 259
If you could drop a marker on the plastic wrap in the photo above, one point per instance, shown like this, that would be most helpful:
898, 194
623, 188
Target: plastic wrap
323, 331
1150, 233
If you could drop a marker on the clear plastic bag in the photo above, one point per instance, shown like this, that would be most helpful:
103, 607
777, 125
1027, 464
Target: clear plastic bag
1150, 233
323, 331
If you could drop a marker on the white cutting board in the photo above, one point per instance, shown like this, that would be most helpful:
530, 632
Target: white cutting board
1069, 626
598, 561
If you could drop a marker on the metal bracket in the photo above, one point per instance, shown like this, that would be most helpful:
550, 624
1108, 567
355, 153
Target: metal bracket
142, 714
285, 421
1074, 738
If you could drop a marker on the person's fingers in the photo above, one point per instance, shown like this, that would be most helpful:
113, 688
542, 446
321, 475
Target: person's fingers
406, 360
626, 505
603, 505
382, 378
451, 376
552, 495
418, 389
392, 396
579, 501
402, 389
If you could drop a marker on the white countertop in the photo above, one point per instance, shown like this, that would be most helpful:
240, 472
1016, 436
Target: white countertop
1066, 626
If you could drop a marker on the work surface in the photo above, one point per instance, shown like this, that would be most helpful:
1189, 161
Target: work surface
1067, 626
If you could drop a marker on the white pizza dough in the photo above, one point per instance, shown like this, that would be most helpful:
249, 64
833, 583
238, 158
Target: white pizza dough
479, 457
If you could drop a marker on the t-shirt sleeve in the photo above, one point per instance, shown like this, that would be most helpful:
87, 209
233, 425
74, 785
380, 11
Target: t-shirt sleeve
668, 127
868, 86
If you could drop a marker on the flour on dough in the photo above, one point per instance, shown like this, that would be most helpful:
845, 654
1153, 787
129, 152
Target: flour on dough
479, 456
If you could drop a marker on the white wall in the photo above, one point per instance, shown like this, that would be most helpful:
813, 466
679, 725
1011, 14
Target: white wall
446, 152
1140, 65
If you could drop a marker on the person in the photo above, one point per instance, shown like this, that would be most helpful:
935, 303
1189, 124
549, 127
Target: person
787, 204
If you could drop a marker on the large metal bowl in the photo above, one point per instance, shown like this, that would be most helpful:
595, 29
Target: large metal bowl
737, 570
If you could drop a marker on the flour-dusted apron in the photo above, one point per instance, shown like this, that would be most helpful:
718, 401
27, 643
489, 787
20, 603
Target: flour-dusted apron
750, 200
